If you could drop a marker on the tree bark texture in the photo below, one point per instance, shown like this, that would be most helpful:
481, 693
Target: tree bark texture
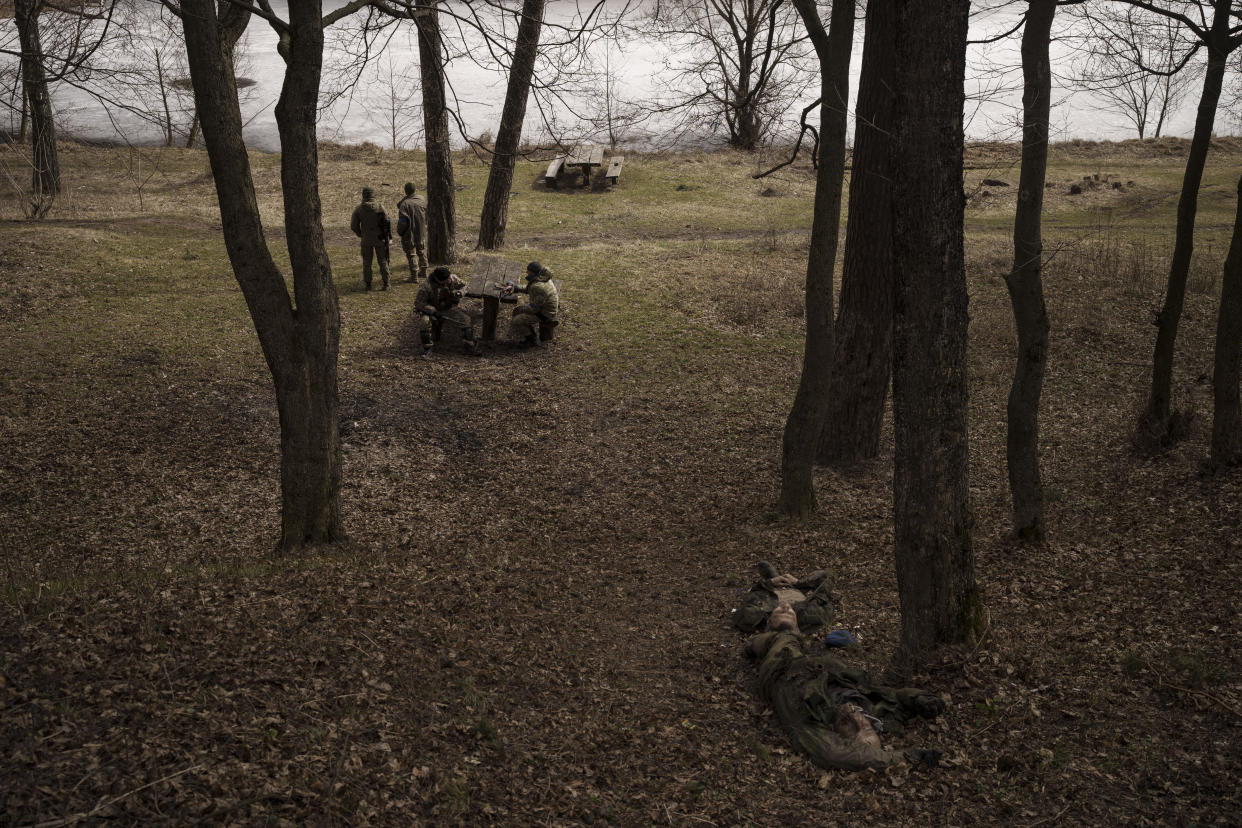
806, 417
45, 164
300, 345
509, 134
1226, 418
1157, 415
1025, 280
860, 374
940, 603
441, 188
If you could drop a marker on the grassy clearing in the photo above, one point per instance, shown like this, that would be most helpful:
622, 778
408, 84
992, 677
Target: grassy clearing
529, 623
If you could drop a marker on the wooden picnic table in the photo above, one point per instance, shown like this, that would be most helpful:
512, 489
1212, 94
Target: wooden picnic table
586, 156
490, 272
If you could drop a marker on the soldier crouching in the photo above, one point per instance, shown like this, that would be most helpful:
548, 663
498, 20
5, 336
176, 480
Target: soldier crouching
436, 304
543, 308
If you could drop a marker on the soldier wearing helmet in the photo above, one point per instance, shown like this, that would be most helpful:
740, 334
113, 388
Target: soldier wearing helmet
435, 304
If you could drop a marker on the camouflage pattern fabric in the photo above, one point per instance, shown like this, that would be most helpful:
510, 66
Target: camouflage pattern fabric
809, 693
810, 597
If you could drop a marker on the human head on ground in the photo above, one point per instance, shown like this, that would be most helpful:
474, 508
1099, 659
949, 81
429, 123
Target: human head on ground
783, 618
409, 188
367, 194
440, 275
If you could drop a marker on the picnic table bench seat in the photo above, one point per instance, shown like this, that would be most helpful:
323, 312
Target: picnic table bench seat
554, 170
614, 168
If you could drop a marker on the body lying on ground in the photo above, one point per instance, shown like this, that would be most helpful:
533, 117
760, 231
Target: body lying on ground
832, 712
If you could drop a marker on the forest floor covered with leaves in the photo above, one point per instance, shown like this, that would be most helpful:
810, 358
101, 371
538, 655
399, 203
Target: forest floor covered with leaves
530, 622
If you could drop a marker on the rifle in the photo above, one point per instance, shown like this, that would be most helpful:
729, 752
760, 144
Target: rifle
385, 231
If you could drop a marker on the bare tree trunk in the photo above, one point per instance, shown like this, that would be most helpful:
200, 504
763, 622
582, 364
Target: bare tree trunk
159, 75
45, 172
300, 345
806, 417
940, 603
193, 136
1154, 426
1025, 281
1226, 419
441, 189
860, 375
509, 135
24, 132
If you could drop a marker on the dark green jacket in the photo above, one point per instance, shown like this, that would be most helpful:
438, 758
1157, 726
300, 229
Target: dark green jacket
806, 692
366, 222
413, 208
811, 599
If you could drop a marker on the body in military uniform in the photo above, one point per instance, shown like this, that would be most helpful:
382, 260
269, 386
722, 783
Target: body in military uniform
436, 303
370, 224
832, 712
412, 228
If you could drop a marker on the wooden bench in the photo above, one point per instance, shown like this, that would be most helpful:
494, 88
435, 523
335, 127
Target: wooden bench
488, 272
554, 170
614, 168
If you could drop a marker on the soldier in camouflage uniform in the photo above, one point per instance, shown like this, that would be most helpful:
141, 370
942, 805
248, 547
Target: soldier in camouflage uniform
543, 308
370, 223
436, 303
412, 228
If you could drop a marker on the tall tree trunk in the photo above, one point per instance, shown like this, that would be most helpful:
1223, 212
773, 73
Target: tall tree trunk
1025, 280
24, 131
509, 135
45, 170
860, 375
193, 134
300, 345
1156, 419
159, 74
232, 21
940, 603
1226, 419
441, 189
806, 417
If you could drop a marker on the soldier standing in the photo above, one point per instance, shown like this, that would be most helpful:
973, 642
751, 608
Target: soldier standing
412, 228
544, 304
436, 303
370, 223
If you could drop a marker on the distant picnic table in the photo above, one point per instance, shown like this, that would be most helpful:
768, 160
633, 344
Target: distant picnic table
585, 158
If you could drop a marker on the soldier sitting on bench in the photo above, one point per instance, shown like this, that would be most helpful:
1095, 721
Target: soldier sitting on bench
543, 308
435, 304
